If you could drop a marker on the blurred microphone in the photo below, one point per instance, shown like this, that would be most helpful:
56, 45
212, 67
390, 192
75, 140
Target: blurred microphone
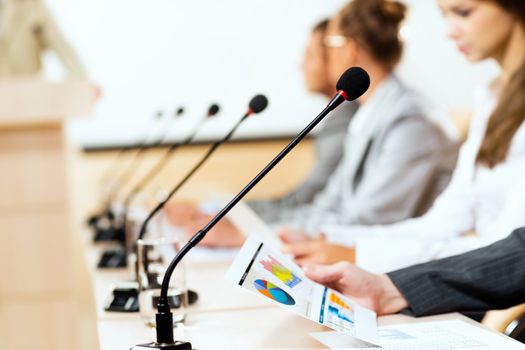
130, 170
150, 175
256, 105
115, 165
352, 84
117, 258
107, 229
128, 295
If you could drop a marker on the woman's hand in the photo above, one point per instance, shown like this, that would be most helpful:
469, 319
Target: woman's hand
223, 235
290, 235
181, 214
317, 250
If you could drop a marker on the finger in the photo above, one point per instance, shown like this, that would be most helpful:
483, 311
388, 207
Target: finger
283, 233
306, 260
325, 273
288, 236
301, 249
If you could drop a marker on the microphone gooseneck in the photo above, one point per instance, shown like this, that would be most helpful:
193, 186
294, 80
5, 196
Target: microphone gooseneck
352, 84
161, 163
135, 162
257, 105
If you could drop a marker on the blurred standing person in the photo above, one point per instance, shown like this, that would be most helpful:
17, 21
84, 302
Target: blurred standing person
27, 30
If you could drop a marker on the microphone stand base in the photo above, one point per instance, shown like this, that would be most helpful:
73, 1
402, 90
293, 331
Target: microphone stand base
125, 298
178, 345
109, 234
113, 259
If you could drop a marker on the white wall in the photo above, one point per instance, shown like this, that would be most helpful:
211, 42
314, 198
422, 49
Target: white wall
151, 54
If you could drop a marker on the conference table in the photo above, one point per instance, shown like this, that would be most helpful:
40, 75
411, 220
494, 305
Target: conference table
225, 316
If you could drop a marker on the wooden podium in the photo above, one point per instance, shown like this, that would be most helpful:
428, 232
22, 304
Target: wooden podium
45, 299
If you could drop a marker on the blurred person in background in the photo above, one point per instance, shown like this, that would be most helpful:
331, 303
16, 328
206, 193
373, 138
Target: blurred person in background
27, 31
396, 160
486, 197
329, 142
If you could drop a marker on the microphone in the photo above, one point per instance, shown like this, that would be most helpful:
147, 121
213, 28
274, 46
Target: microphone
150, 175
113, 167
351, 85
117, 258
256, 105
130, 170
115, 230
128, 295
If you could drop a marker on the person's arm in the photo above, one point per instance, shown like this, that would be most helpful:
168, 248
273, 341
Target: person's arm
488, 278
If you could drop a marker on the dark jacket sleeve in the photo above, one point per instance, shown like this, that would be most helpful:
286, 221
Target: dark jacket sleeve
492, 277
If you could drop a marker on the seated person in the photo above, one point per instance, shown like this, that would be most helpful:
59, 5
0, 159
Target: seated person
329, 142
396, 160
486, 194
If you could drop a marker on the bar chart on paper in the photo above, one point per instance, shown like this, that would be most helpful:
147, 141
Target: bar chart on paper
284, 274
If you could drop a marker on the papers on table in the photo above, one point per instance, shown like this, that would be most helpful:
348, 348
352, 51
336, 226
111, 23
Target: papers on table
435, 335
264, 271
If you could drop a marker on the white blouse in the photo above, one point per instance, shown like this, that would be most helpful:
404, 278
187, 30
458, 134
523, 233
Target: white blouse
490, 202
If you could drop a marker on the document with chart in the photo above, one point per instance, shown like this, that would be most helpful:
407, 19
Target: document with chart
265, 272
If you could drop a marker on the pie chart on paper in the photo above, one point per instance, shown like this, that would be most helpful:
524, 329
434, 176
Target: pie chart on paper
273, 292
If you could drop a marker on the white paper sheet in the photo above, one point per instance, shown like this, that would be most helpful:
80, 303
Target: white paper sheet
264, 271
435, 335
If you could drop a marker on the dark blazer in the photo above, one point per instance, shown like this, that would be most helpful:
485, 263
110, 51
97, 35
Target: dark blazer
492, 277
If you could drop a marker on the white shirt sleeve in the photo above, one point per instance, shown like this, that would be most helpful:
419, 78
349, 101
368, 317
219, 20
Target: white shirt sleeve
379, 254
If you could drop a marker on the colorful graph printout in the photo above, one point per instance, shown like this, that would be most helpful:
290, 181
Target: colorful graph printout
273, 292
284, 274
334, 299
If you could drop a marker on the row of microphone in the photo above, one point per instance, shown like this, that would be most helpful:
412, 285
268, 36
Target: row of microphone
353, 83
110, 223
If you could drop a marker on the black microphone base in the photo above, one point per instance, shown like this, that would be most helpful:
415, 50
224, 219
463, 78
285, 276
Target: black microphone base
109, 234
125, 298
93, 219
178, 345
113, 259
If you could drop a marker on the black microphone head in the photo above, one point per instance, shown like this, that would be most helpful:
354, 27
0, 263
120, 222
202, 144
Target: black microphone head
258, 103
354, 82
214, 109
179, 111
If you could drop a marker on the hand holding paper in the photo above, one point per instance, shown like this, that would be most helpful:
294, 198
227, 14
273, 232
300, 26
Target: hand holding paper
373, 291
271, 275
